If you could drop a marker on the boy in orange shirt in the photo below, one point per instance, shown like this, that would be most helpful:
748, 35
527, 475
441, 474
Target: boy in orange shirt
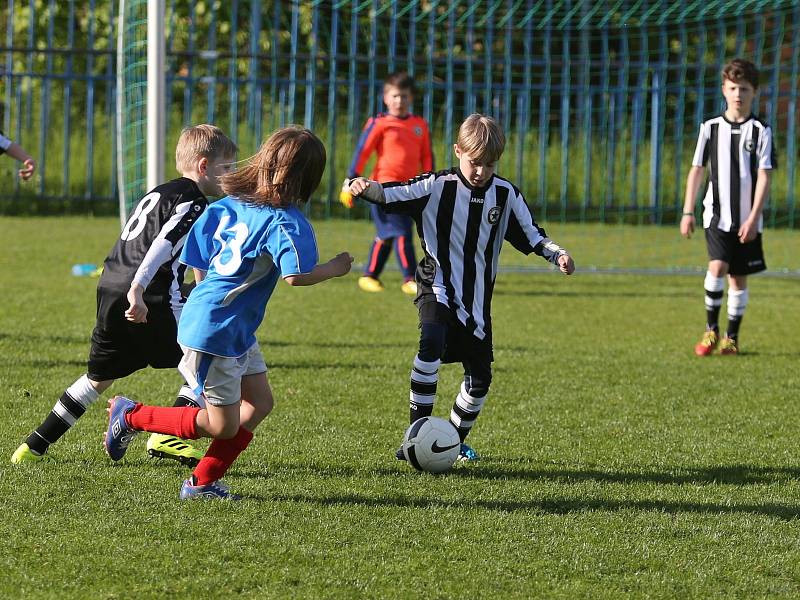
402, 143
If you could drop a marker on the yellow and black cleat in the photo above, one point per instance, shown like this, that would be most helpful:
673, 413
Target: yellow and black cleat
174, 448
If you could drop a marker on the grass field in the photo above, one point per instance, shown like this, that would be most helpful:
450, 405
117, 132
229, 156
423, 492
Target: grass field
615, 463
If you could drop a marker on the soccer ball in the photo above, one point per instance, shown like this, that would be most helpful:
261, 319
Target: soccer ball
431, 444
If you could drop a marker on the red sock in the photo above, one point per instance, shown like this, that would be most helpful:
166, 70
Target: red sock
179, 421
220, 456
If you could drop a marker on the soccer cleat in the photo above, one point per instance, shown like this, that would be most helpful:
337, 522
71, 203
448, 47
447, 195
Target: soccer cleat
370, 284
214, 490
706, 346
467, 454
169, 446
728, 346
399, 454
409, 287
25, 454
119, 433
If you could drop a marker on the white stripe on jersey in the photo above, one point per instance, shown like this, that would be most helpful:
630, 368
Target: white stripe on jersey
731, 184
462, 233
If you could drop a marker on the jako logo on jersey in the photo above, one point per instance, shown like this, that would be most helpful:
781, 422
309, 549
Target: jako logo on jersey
494, 215
418, 131
748, 145
475, 200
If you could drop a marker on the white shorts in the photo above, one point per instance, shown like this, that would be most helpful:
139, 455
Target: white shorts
217, 378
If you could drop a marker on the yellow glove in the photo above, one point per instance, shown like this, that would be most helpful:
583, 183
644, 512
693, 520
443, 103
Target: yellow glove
345, 197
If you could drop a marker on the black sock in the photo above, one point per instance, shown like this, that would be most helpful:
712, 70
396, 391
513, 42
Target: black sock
419, 410
733, 327
54, 426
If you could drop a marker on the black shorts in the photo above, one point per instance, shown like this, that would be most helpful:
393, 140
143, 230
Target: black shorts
742, 259
460, 345
120, 347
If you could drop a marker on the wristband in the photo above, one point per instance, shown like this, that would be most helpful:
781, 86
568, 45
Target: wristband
688, 214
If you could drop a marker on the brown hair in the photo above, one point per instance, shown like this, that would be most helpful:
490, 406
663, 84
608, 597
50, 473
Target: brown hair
202, 141
286, 170
739, 70
400, 80
482, 138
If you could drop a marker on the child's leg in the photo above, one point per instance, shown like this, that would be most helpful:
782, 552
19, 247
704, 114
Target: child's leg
69, 408
470, 399
714, 287
378, 255
404, 249
738, 297
257, 400
425, 373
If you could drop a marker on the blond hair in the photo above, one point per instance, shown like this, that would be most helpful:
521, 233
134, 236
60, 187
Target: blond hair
202, 141
482, 138
286, 170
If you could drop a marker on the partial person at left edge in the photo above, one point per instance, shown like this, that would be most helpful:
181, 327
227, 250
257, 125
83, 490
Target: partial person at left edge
16, 151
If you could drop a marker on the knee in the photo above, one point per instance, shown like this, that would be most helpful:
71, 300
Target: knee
431, 341
478, 386
223, 431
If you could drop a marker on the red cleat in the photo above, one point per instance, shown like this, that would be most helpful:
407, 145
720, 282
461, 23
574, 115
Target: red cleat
706, 346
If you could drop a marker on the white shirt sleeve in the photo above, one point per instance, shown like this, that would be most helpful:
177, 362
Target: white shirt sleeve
699, 159
765, 154
5, 143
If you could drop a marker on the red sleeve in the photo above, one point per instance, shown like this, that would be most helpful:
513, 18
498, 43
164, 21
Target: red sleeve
367, 144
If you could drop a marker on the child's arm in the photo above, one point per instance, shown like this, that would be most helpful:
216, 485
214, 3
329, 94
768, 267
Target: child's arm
749, 229
367, 144
167, 244
399, 197
336, 267
16, 151
427, 151
693, 182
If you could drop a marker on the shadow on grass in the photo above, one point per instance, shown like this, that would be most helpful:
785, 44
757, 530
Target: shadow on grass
555, 506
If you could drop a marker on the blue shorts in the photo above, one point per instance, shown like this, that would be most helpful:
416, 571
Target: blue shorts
390, 226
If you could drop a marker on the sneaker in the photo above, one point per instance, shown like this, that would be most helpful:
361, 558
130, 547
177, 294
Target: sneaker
370, 284
706, 346
25, 454
214, 490
119, 433
169, 446
399, 454
728, 346
467, 454
409, 287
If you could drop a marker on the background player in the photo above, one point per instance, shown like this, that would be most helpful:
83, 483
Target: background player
138, 295
738, 148
462, 215
245, 242
402, 143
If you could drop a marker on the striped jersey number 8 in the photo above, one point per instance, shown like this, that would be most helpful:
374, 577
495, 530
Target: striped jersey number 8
235, 238
138, 220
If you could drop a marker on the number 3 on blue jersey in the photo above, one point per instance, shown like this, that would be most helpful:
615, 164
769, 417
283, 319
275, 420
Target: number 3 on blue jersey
229, 258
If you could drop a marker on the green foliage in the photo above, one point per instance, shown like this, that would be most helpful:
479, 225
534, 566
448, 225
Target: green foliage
615, 463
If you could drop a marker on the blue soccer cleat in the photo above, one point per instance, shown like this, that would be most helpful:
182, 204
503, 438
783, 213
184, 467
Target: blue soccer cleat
467, 454
119, 434
215, 490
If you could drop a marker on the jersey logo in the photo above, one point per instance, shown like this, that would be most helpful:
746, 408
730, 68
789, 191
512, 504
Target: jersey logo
748, 145
494, 215
418, 131
436, 448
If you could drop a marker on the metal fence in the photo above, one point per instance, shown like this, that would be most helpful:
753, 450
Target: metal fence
600, 100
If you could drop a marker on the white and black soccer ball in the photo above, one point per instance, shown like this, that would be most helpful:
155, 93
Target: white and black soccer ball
431, 444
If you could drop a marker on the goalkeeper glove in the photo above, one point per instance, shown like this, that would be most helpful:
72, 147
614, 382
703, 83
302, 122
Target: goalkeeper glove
345, 197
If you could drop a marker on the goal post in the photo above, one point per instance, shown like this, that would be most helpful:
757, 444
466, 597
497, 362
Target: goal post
140, 106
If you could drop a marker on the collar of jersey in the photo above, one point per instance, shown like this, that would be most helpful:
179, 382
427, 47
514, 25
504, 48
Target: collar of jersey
472, 187
729, 122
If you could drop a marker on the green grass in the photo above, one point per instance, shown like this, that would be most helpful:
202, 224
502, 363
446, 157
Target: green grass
615, 463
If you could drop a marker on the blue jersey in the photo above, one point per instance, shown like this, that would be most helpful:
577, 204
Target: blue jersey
244, 249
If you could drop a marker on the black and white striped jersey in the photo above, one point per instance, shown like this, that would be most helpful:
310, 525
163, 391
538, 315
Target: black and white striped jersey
734, 152
151, 241
462, 229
